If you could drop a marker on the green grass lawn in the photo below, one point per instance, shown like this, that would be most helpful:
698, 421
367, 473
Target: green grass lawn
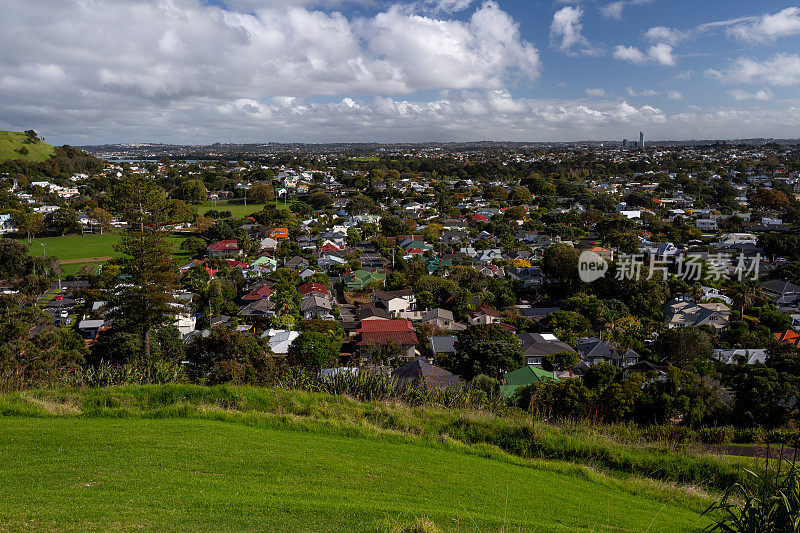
10, 141
90, 247
86, 246
92, 474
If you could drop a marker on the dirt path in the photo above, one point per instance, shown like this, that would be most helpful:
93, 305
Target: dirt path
744, 450
84, 260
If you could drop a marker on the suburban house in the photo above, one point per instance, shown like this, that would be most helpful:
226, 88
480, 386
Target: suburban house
522, 377
280, 340
377, 334
442, 319
749, 356
535, 346
359, 279
483, 315
398, 303
594, 351
227, 248
683, 313
785, 295
420, 373
443, 345
316, 305
792, 337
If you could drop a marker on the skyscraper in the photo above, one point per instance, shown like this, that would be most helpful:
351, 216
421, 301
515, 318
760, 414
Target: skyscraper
641, 139
624, 143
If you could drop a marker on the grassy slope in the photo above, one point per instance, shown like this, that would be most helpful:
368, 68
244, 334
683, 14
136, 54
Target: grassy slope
13, 140
93, 474
243, 458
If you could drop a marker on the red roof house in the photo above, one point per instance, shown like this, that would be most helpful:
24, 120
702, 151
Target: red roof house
313, 287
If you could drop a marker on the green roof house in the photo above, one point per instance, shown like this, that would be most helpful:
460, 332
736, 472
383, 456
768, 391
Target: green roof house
522, 377
358, 279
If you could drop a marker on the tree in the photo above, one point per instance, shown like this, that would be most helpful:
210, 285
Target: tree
313, 350
560, 262
145, 301
62, 221
495, 192
353, 237
560, 361
261, 193
683, 346
488, 349
600, 376
30, 223
746, 295
102, 217
228, 356
194, 191
392, 226
194, 246
15, 261
320, 200
520, 194
515, 213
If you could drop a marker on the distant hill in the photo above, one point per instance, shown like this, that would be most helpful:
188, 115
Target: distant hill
11, 141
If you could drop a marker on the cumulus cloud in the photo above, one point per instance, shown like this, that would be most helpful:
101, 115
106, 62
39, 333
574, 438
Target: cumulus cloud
660, 53
674, 95
763, 94
631, 54
565, 32
614, 9
172, 50
780, 70
596, 92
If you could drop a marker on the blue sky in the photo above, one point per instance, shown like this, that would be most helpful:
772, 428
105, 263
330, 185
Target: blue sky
197, 71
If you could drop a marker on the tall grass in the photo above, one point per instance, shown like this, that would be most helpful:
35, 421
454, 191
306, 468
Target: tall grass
766, 501
370, 387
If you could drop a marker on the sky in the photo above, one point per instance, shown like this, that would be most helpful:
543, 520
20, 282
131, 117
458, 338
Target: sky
202, 71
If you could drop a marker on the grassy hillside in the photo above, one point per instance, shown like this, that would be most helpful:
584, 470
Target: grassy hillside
89, 474
234, 458
10, 141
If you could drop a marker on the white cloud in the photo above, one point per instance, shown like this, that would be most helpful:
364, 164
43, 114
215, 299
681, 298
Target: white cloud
613, 10
565, 32
763, 94
659, 53
767, 27
644, 92
172, 50
596, 92
662, 53
674, 95
630, 54
781, 70
662, 34
448, 6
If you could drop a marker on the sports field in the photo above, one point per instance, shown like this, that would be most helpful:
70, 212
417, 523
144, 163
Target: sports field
77, 251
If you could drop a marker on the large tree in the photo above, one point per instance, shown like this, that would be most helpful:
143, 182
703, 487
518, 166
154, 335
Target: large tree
683, 346
488, 349
313, 350
145, 300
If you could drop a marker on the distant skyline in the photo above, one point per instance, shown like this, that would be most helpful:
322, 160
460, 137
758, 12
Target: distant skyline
197, 72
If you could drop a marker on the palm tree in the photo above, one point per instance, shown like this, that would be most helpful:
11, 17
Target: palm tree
747, 295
